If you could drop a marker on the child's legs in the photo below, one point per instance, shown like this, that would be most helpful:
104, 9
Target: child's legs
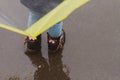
33, 17
56, 30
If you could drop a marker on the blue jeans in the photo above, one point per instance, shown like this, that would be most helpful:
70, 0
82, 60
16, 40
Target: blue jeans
54, 31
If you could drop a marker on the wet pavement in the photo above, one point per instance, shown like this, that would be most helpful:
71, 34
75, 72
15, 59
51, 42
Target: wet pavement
91, 51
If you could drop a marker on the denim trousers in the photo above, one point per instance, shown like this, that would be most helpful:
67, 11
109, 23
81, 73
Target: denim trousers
55, 31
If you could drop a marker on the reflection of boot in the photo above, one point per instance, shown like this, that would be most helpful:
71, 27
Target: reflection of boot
56, 67
54, 44
38, 61
33, 45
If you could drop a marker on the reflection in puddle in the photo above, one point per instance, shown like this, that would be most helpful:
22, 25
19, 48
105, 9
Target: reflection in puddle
51, 70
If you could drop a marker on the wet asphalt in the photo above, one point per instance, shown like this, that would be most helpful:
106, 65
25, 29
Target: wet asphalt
91, 51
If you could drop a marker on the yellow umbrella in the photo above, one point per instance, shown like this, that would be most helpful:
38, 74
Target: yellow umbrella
58, 14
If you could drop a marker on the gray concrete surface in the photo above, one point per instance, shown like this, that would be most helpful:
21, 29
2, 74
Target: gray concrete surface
91, 52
